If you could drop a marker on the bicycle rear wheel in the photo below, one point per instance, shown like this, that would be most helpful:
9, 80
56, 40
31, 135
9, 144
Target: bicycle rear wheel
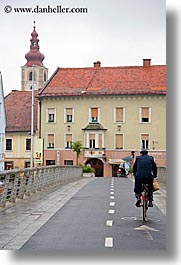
145, 207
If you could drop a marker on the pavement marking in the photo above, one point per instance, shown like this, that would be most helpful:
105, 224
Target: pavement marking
112, 189
146, 230
109, 222
112, 192
112, 197
112, 203
108, 242
111, 211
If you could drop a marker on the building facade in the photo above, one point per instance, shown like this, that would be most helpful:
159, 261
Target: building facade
113, 111
18, 129
2, 125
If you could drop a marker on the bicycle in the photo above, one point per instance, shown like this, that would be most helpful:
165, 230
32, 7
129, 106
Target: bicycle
144, 201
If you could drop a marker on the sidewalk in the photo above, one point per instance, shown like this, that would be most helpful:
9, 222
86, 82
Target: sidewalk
20, 221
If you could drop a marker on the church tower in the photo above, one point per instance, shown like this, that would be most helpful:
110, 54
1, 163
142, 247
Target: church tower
34, 64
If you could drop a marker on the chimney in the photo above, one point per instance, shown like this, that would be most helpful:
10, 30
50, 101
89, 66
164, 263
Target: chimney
146, 62
97, 64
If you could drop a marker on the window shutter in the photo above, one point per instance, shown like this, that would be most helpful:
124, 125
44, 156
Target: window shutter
51, 138
119, 114
94, 112
119, 141
69, 111
145, 112
91, 136
144, 137
68, 137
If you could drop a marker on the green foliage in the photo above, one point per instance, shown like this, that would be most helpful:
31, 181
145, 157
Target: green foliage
87, 169
77, 146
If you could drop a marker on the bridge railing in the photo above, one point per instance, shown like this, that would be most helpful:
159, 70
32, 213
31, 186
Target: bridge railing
15, 184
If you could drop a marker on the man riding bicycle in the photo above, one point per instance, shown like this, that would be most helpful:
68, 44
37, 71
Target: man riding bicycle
144, 171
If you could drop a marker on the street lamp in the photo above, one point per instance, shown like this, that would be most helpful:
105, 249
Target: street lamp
32, 117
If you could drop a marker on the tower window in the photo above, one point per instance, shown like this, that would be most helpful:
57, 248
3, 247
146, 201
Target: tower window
45, 77
30, 77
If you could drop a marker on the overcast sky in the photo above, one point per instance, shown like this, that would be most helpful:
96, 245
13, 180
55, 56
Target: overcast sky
117, 32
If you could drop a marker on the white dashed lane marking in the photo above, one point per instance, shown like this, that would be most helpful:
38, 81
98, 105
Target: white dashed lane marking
111, 211
108, 242
109, 222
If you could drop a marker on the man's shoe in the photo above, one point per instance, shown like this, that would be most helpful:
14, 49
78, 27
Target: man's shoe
138, 203
150, 204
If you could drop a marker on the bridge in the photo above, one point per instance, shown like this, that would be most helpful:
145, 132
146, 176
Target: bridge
56, 208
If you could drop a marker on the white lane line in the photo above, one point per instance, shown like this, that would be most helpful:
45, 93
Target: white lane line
109, 222
108, 242
112, 204
111, 211
112, 197
111, 188
112, 192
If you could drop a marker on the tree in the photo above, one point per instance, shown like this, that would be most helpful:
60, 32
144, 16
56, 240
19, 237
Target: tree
77, 146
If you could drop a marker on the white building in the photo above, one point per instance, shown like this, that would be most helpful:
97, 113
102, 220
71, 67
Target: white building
2, 125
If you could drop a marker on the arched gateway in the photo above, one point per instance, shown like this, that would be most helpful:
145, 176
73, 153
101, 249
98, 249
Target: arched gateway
97, 164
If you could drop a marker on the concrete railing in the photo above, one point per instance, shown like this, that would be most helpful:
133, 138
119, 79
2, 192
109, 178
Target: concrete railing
15, 184
162, 175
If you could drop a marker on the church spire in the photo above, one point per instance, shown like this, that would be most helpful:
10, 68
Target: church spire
34, 56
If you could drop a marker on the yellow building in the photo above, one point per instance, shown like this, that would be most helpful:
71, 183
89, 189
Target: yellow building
113, 111
18, 129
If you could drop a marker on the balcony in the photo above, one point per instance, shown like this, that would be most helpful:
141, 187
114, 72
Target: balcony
94, 153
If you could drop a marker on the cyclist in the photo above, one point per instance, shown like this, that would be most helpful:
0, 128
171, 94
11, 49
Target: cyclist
144, 170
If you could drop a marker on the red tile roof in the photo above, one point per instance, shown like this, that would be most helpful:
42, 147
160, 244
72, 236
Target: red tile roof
18, 111
107, 80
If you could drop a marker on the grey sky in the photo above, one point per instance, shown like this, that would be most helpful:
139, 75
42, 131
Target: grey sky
117, 32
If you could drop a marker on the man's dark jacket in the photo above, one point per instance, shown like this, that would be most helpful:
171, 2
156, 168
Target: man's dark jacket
144, 167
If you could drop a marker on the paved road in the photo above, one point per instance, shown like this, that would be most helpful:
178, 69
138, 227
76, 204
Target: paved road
102, 216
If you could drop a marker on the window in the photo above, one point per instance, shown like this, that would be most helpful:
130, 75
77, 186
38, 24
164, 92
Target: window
68, 140
119, 141
51, 117
30, 77
28, 144
119, 114
145, 114
68, 117
50, 141
27, 164
92, 141
68, 162
94, 115
8, 165
45, 77
9, 144
144, 141
33, 43
50, 162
